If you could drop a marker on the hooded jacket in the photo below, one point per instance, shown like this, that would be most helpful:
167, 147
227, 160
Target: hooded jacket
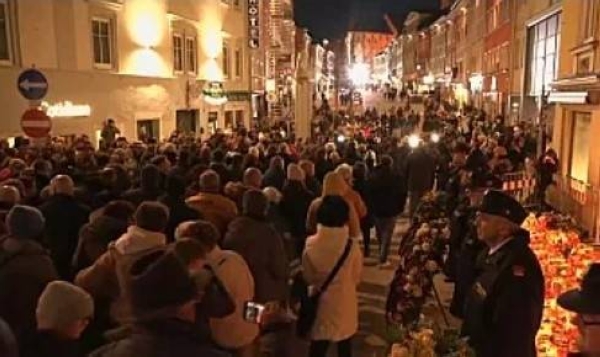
257, 241
106, 278
334, 185
62, 235
215, 208
94, 238
25, 269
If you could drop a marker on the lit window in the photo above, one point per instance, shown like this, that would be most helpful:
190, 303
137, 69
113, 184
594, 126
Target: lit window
190, 54
177, 53
102, 41
239, 118
5, 49
587, 26
580, 146
229, 119
225, 61
238, 63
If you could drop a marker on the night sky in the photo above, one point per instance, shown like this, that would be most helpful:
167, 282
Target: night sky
332, 18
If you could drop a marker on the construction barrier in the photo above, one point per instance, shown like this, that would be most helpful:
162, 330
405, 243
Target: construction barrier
567, 195
522, 186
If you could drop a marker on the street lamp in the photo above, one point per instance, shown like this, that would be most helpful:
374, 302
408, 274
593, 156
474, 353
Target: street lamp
359, 74
429, 79
413, 141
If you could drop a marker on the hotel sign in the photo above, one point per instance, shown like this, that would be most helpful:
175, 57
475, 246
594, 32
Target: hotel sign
214, 94
254, 24
67, 110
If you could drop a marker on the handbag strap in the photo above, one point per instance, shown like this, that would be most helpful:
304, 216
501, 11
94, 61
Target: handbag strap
336, 268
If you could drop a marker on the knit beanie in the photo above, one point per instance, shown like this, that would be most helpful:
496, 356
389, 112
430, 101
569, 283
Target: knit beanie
61, 304
159, 285
25, 222
295, 173
273, 195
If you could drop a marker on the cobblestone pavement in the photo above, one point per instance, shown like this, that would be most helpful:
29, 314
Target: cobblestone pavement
370, 341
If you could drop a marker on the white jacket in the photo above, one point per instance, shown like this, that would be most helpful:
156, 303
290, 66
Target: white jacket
233, 332
337, 315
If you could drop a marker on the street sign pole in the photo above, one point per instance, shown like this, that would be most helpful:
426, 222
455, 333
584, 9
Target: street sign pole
33, 86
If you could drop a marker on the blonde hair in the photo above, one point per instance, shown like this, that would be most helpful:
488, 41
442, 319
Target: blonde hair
334, 185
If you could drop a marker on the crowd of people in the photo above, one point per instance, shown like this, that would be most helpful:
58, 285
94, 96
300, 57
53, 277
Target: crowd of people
156, 248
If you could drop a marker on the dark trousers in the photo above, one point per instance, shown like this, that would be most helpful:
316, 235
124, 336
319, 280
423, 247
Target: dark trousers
365, 228
319, 348
384, 227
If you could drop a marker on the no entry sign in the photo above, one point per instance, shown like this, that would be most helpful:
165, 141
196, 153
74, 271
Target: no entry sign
35, 123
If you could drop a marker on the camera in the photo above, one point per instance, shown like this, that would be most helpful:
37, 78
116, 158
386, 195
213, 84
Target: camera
253, 311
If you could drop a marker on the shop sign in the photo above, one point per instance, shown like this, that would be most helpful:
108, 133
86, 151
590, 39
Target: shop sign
253, 24
238, 96
214, 94
66, 109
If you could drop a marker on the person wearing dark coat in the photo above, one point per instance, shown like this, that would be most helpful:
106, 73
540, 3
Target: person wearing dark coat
387, 193
360, 185
548, 165
236, 168
311, 181
257, 241
322, 165
275, 174
164, 324
454, 184
95, 236
465, 247
25, 269
63, 313
218, 165
179, 211
420, 176
8, 343
504, 306
294, 206
585, 303
109, 189
64, 217
9, 197
150, 186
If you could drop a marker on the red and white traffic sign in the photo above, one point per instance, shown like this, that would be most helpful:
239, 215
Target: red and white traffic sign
36, 123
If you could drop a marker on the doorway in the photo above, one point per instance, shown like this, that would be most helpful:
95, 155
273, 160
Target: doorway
187, 121
148, 129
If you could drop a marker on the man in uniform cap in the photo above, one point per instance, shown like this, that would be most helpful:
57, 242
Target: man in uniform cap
585, 302
504, 306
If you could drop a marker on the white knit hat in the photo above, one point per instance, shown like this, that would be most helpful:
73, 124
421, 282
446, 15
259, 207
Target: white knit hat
273, 195
295, 173
61, 304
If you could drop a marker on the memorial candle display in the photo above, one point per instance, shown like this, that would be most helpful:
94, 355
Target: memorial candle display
564, 259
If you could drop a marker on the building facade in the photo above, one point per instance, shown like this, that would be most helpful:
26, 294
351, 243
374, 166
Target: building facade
496, 57
280, 59
154, 67
476, 27
576, 93
537, 28
364, 46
